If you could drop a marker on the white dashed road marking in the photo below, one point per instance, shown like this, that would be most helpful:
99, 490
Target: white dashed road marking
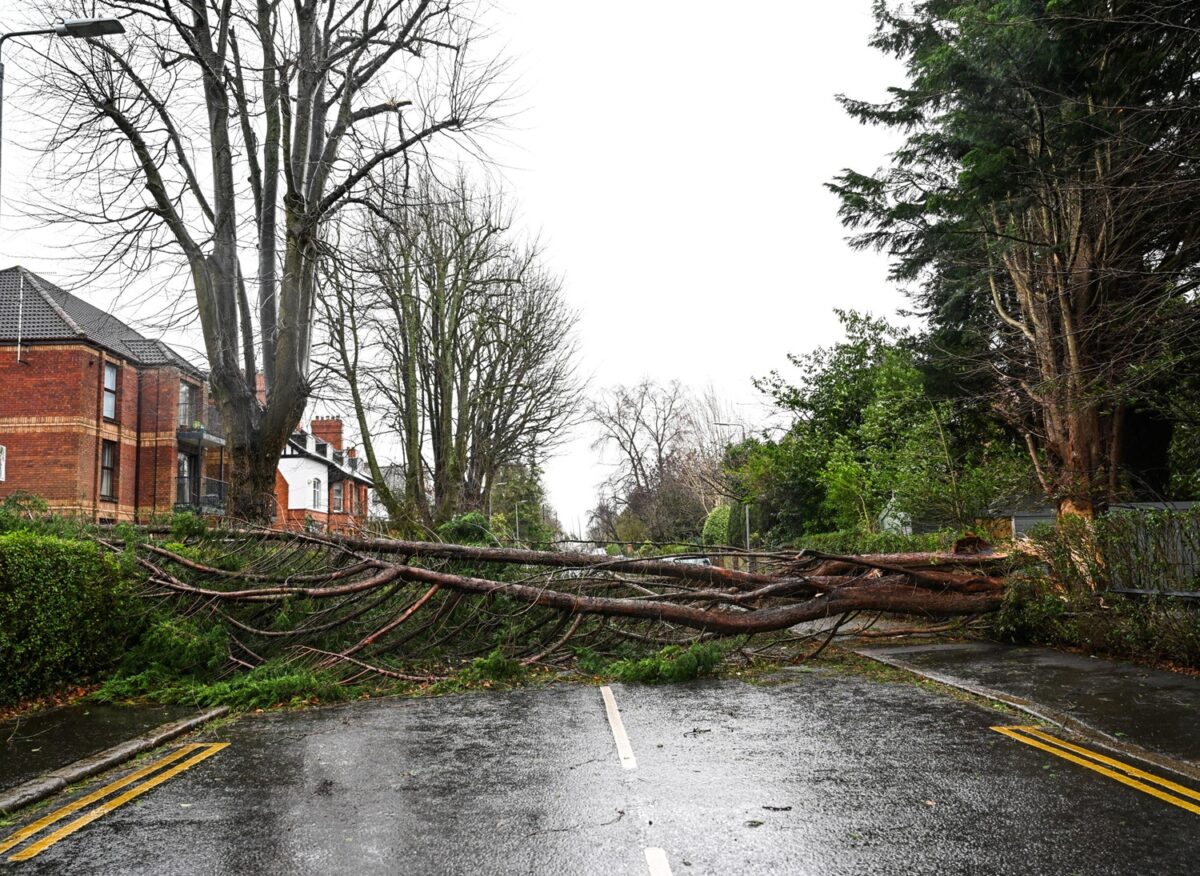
624, 750
656, 860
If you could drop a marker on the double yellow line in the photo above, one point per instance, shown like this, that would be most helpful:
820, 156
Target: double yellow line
1155, 786
198, 751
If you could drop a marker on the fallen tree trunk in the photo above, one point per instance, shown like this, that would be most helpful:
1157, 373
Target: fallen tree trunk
883, 594
289, 593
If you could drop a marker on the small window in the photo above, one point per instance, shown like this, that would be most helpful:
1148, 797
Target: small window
110, 391
316, 492
3, 460
108, 470
337, 497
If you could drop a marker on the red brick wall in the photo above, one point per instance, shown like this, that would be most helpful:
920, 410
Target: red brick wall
329, 430
52, 424
48, 422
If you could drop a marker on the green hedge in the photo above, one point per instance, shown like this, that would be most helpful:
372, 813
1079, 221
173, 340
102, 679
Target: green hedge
65, 613
852, 541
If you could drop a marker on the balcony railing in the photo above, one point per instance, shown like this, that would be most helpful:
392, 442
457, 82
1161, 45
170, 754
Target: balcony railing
198, 422
201, 495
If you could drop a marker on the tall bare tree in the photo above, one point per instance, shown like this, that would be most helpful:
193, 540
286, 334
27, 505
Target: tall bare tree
668, 451
453, 342
227, 133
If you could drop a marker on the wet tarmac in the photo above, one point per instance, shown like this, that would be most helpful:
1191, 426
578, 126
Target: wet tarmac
44, 741
1159, 711
816, 774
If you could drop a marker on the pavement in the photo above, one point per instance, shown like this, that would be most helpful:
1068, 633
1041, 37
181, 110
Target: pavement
1156, 711
813, 773
43, 741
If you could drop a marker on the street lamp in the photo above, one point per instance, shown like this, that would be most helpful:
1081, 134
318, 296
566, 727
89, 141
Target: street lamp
746, 505
76, 28
491, 489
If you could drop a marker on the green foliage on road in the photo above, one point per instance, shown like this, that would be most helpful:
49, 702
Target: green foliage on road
66, 612
673, 663
275, 683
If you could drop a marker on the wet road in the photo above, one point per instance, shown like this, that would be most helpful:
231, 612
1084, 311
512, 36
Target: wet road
815, 775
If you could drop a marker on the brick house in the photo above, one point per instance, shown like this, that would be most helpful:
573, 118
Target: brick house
105, 423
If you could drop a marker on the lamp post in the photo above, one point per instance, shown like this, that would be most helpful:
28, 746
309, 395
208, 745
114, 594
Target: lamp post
77, 28
491, 489
746, 505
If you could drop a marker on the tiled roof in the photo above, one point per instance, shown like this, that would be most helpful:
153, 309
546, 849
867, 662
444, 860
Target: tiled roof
41, 311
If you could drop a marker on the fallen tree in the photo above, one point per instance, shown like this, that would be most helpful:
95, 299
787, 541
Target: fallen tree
385, 606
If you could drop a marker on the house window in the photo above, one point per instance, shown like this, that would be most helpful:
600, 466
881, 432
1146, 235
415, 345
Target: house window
189, 414
110, 391
3, 460
316, 492
108, 470
337, 497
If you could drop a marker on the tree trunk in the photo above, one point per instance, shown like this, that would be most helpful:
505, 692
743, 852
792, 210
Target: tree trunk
252, 482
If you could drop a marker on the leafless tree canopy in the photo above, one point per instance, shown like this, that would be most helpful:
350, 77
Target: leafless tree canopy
455, 344
226, 133
668, 448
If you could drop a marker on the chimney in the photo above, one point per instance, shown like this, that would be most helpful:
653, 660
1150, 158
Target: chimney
329, 430
260, 388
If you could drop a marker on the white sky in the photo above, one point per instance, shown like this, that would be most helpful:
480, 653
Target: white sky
672, 155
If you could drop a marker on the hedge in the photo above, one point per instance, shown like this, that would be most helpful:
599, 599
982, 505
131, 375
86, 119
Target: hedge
65, 613
852, 541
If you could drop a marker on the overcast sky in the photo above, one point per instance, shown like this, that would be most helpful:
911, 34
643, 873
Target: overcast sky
672, 156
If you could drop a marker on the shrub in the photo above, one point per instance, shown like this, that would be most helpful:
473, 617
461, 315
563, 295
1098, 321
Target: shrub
26, 512
1037, 611
1139, 548
66, 612
716, 526
1032, 613
185, 525
470, 528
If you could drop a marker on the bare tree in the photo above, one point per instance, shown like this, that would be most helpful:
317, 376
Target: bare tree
222, 128
455, 336
668, 449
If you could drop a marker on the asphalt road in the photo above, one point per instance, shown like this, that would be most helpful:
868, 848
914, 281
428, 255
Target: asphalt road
819, 775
